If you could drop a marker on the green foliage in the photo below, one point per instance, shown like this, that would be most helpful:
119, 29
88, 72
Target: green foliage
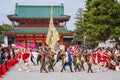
101, 21
1, 29
7, 27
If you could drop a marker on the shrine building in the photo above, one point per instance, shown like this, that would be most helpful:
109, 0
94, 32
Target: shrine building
31, 24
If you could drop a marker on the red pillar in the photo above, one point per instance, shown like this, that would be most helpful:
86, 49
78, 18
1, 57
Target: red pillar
34, 39
43, 40
61, 39
25, 41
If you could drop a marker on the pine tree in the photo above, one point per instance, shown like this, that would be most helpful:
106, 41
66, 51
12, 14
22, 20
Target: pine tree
101, 21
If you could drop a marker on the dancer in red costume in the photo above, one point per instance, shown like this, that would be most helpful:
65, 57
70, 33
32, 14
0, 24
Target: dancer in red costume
25, 58
105, 60
99, 59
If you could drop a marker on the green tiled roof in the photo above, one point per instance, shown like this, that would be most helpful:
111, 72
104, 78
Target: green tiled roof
36, 31
35, 11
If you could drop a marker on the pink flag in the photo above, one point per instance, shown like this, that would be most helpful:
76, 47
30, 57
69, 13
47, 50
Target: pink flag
32, 46
19, 45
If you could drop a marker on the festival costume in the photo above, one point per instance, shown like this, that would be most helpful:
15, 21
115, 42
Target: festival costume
76, 63
89, 63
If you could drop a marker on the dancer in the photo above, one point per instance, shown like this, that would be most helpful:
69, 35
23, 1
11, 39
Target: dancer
43, 63
89, 63
25, 58
67, 60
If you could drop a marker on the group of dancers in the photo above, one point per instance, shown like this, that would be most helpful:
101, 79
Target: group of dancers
74, 56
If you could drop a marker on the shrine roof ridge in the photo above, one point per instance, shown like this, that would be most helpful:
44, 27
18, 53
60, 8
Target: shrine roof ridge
38, 11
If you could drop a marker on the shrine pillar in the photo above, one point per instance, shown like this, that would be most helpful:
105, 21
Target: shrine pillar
34, 39
61, 39
25, 41
43, 40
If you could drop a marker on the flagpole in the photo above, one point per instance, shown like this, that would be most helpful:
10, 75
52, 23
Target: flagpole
52, 35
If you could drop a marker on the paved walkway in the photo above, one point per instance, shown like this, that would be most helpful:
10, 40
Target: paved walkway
34, 74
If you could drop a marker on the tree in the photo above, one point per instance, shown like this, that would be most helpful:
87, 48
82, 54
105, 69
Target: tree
101, 21
78, 30
7, 27
1, 29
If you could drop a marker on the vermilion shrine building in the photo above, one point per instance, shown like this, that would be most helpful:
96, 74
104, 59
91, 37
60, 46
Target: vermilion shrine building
31, 24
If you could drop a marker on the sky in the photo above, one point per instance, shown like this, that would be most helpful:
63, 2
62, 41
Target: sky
70, 8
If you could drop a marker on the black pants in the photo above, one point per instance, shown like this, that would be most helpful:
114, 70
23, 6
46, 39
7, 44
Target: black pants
31, 58
38, 59
63, 67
